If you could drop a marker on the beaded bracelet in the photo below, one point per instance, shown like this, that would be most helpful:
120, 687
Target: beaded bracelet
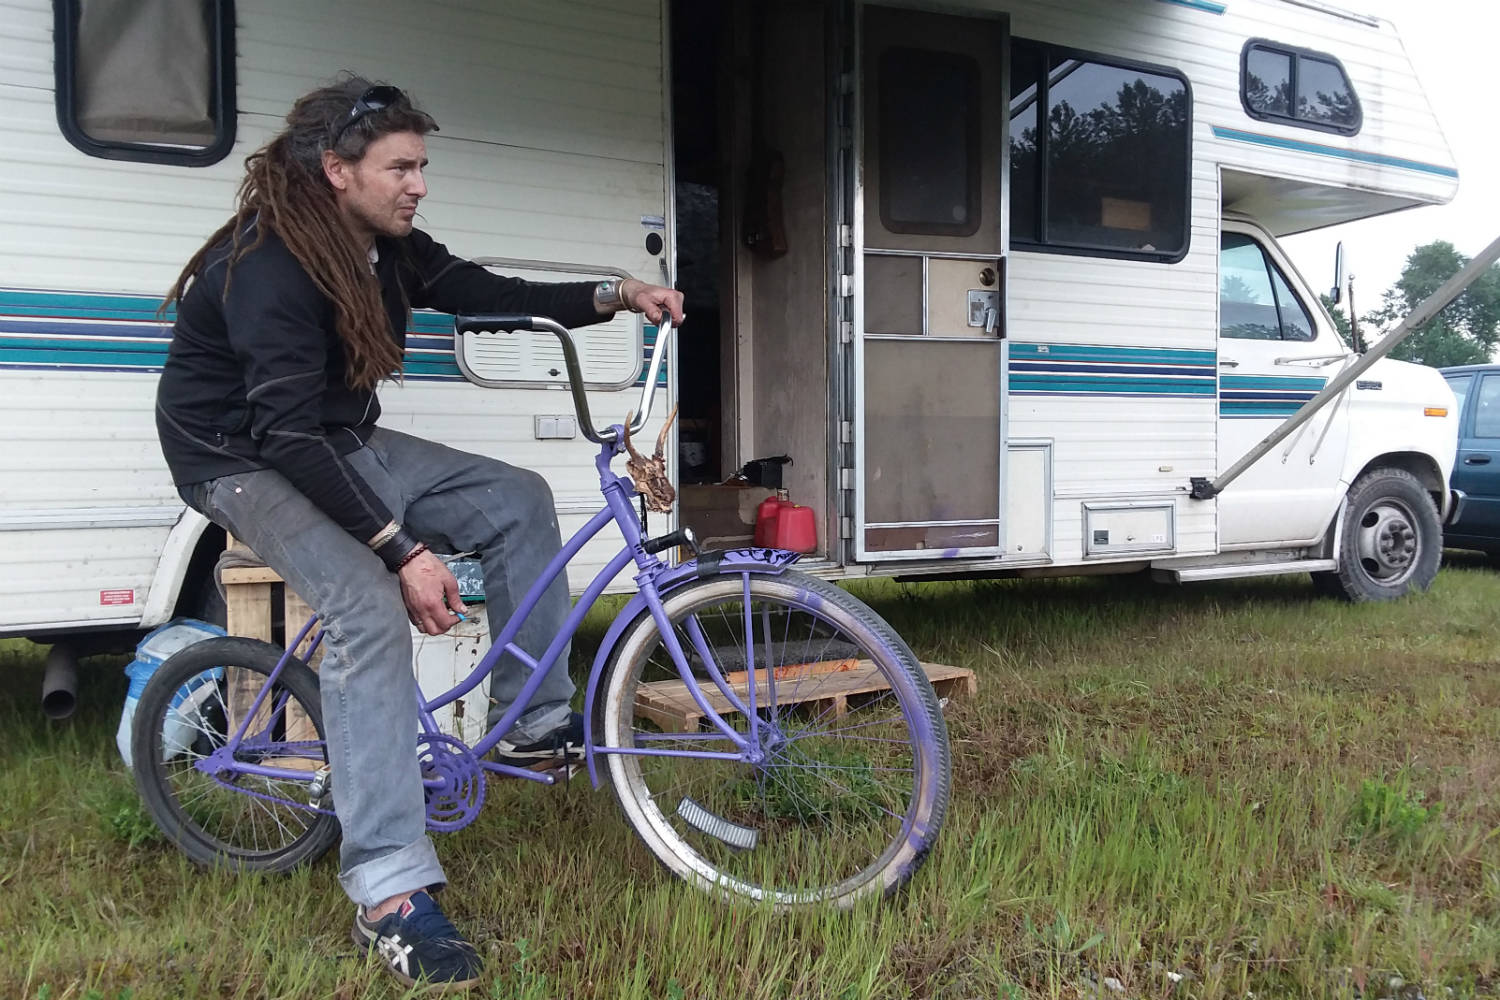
417, 550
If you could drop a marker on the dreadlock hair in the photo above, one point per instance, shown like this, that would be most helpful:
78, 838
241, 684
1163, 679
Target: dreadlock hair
285, 192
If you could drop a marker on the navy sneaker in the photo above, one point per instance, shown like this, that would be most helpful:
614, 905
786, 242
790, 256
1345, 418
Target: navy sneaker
560, 748
419, 945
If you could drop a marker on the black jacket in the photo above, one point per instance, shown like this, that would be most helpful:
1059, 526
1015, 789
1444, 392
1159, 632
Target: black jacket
256, 379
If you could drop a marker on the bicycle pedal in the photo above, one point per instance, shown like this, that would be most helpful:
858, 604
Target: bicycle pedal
563, 769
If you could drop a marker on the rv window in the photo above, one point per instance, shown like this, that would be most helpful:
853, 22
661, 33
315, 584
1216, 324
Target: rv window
1108, 175
1297, 87
929, 142
149, 80
1255, 301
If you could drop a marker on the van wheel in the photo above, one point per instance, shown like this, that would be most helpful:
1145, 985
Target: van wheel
1392, 541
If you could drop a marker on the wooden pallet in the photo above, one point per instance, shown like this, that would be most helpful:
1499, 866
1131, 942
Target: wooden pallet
668, 704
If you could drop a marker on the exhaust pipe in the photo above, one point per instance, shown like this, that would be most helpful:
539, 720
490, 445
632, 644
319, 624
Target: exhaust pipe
60, 682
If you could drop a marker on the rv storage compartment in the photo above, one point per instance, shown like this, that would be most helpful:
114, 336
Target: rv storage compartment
1121, 527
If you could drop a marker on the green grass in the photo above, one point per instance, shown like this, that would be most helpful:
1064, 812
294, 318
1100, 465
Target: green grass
1242, 785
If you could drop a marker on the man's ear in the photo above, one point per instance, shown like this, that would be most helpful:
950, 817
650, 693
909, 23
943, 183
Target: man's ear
336, 170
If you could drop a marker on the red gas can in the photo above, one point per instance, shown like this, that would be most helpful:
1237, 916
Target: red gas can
765, 519
796, 529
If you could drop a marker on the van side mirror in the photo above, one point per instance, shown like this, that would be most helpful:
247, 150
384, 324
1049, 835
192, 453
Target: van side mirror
1336, 294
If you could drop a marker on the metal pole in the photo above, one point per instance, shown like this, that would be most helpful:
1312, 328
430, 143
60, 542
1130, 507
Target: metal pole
1203, 489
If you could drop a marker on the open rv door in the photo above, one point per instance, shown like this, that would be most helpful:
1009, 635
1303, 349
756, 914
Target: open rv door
929, 279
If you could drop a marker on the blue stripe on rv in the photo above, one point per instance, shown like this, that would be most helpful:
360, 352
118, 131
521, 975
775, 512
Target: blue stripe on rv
1322, 149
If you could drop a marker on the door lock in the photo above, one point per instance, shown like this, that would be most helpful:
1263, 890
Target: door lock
984, 309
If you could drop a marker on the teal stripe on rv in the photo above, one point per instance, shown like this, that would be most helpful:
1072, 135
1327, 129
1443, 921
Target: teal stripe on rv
1321, 149
1110, 371
98, 332
1207, 6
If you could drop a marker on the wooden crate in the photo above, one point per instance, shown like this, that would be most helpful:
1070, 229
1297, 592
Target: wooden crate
668, 704
249, 593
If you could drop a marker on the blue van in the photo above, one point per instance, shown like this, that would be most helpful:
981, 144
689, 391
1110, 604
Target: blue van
1475, 524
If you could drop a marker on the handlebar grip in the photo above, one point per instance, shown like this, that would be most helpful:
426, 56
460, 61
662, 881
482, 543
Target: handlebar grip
493, 323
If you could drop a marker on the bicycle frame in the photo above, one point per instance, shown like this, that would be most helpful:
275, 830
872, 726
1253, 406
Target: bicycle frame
654, 578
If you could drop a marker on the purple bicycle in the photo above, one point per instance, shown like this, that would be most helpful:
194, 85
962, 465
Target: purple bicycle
783, 792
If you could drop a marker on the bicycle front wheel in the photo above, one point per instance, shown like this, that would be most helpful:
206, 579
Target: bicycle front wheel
200, 792
838, 788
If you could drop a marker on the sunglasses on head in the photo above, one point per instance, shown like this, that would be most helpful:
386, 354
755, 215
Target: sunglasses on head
377, 98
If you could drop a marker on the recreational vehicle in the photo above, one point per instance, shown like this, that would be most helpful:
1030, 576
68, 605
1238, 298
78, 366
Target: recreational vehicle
999, 277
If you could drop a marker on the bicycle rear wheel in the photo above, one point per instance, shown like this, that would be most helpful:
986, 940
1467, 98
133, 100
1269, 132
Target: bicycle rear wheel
845, 784
217, 814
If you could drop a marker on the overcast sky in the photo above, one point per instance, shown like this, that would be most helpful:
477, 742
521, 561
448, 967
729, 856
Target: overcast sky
1452, 45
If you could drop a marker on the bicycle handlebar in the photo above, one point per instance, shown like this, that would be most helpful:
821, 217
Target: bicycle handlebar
511, 322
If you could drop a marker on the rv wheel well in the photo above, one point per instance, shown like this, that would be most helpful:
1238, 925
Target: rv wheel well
199, 597
1419, 465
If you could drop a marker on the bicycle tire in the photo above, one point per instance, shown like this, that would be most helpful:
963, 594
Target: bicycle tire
813, 777
205, 815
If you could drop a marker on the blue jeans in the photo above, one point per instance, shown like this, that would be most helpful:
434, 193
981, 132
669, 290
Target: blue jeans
455, 502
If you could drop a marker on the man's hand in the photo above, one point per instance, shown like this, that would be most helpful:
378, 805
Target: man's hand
431, 594
652, 301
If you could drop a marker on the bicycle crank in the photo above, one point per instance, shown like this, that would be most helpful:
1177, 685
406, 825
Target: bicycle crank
453, 780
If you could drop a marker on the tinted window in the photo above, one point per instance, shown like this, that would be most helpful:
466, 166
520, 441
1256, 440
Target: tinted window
1268, 81
1487, 408
929, 142
1108, 171
1255, 301
1460, 385
1298, 87
146, 79
1025, 113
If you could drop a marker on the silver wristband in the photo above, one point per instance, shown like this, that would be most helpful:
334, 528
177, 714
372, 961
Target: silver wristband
607, 294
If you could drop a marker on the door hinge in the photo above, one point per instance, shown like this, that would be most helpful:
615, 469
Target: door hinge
846, 432
846, 236
846, 285
846, 479
846, 527
846, 331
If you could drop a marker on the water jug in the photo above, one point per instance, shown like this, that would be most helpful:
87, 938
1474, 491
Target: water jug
153, 650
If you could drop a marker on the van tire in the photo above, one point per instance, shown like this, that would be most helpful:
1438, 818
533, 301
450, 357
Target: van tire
1392, 541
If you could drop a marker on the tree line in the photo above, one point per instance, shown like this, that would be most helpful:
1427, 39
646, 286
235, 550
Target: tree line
1465, 333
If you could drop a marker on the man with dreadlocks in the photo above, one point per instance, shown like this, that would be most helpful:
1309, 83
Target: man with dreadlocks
287, 319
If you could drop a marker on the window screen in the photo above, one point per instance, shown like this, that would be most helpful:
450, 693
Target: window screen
929, 142
1099, 154
1255, 301
146, 79
1298, 87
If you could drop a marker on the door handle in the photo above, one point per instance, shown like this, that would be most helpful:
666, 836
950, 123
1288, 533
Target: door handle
1477, 460
1226, 363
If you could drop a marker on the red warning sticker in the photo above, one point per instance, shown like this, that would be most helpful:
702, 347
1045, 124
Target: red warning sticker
111, 598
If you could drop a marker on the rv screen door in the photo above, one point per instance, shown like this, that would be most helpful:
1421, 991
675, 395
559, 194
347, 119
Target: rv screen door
929, 297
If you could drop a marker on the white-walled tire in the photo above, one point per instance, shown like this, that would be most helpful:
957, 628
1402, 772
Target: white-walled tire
1392, 539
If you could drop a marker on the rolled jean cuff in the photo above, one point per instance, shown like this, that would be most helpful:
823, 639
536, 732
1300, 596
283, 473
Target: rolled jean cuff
413, 867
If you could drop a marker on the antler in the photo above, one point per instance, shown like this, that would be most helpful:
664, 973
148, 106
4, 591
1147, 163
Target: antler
661, 439
630, 419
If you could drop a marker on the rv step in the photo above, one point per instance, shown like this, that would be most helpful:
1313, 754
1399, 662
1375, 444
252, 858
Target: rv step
1230, 571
